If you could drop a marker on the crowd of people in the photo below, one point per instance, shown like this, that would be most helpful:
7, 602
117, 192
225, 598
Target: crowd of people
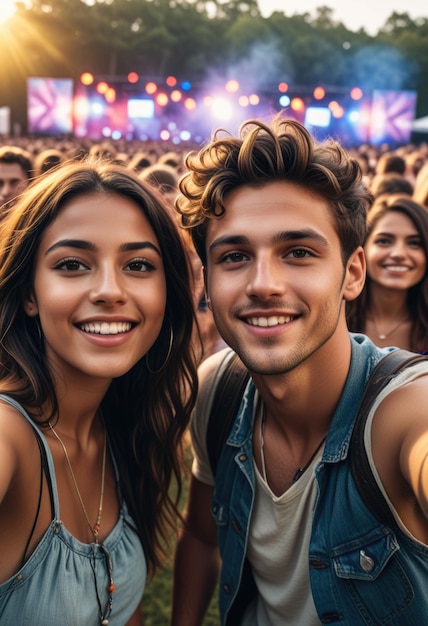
130, 275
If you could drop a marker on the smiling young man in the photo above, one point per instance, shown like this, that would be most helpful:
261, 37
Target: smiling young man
279, 222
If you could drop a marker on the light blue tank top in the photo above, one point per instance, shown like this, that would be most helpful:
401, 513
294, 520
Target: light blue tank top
57, 584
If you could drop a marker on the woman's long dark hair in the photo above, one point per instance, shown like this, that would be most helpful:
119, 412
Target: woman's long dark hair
146, 414
417, 297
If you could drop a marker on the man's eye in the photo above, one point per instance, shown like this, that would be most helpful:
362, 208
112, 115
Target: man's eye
233, 257
300, 253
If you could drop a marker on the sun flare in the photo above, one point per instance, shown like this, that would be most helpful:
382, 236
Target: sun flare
7, 9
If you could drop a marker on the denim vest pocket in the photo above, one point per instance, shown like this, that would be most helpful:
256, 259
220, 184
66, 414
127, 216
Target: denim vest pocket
370, 568
366, 557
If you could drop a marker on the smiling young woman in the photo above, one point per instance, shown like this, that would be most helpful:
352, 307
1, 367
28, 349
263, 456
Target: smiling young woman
97, 382
393, 306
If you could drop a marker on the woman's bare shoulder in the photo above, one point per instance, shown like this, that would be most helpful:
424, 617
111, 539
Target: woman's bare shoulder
16, 442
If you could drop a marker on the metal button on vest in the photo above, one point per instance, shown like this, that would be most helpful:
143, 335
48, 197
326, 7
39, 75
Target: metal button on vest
243, 457
367, 563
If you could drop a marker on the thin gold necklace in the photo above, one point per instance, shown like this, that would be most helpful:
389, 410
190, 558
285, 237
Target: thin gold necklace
104, 613
383, 336
95, 529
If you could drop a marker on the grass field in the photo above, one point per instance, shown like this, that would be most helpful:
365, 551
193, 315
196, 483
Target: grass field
158, 593
157, 602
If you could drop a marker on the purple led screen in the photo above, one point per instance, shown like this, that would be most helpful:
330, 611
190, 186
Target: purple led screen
50, 105
392, 115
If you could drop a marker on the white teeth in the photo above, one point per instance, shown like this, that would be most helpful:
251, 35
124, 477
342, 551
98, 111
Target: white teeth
274, 320
396, 268
106, 328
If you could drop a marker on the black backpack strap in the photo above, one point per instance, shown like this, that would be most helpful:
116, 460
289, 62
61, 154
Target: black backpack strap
228, 395
227, 398
387, 368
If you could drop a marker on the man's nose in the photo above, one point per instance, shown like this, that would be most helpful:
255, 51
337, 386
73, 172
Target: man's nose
266, 279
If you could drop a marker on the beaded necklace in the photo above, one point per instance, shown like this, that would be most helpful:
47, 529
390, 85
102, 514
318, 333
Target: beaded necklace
104, 614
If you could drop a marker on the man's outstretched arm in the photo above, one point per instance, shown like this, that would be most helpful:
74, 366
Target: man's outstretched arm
197, 561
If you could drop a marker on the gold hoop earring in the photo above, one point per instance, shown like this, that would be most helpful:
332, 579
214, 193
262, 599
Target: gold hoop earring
168, 354
39, 329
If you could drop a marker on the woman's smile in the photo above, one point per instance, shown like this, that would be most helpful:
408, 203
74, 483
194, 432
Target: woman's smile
106, 328
103, 277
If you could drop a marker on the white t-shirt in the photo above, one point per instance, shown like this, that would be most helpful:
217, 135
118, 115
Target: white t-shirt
280, 527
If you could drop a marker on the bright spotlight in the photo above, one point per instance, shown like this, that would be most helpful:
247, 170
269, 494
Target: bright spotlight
97, 108
317, 116
221, 109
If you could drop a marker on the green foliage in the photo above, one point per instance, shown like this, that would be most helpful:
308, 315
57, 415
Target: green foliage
157, 599
198, 39
157, 602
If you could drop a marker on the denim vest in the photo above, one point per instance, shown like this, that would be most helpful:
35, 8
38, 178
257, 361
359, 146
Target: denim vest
361, 572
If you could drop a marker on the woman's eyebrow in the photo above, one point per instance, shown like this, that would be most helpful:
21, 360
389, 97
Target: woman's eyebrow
81, 244
139, 245
72, 243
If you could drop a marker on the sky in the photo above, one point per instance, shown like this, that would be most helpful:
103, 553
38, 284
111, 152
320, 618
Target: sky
368, 14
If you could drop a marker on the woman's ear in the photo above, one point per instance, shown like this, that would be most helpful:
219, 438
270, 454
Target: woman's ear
355, 276
30, 306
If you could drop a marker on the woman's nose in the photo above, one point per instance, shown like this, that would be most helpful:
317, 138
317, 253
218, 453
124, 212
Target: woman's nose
108, 287
398, 249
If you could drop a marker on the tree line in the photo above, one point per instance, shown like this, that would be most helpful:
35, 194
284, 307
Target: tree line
207, 40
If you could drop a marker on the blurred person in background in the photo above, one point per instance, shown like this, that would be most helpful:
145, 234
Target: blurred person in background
47, 159
162, 176
165, 178
139, 161
16, 170
392, 309
420, 190
414, 162
390, 183
390, 162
